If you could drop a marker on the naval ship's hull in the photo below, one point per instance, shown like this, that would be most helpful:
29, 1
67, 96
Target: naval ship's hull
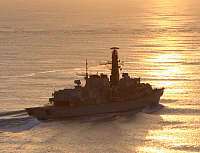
53, 112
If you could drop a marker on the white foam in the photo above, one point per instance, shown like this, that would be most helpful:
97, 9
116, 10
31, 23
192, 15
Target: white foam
17, 122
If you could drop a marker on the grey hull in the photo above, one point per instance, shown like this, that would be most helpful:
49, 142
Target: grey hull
52, 112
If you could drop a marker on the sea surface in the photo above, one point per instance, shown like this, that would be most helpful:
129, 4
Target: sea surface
44, 45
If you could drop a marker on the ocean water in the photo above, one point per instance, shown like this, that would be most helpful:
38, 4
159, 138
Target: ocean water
43, 47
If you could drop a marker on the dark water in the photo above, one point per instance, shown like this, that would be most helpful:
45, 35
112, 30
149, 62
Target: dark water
44, 44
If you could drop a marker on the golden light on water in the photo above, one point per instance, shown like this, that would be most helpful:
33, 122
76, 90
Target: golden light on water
167, 58
170, 71
166, 62
153, 150
167, 68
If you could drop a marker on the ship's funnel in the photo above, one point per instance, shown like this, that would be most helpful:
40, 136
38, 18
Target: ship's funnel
114, 78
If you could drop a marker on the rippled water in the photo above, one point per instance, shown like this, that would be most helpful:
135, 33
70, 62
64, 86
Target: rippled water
44, 44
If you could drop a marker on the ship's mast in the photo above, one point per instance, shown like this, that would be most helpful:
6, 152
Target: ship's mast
86, 69
114, 78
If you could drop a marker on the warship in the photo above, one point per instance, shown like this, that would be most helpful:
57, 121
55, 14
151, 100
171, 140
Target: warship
100, 95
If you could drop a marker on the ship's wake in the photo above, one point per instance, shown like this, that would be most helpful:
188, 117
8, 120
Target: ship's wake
16, 121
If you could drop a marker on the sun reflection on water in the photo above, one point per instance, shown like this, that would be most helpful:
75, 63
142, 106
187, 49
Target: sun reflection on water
165, 62
167, 58
167, 70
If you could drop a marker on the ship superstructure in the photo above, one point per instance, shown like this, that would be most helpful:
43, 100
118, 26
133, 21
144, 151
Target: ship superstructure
100, 89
